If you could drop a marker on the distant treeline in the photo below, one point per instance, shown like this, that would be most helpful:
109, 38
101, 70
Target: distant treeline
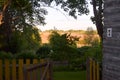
70, 31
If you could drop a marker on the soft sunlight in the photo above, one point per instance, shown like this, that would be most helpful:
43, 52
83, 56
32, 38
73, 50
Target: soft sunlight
60, 20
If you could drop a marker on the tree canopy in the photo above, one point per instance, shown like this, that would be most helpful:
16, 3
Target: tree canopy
63, 45
19, 17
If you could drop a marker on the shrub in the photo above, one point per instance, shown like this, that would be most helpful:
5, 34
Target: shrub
26, 55
43, 51
5, 55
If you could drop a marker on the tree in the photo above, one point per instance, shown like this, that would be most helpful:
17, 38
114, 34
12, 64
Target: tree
28, 40
90, 37
44, 51
89, 34
26, 8
63, 46
17, 15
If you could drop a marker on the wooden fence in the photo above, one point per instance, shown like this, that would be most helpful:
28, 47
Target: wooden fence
25, 69
93, 70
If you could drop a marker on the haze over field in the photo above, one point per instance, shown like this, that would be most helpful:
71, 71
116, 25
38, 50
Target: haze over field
76, 33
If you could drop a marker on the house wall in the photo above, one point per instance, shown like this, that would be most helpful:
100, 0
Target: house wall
111, 42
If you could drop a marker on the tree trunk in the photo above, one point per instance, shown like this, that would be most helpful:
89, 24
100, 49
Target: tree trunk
5, 21
98, 17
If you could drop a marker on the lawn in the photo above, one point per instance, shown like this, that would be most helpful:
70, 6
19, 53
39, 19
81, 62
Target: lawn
80, 75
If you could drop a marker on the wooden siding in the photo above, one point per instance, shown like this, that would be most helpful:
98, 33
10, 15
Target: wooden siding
111, 45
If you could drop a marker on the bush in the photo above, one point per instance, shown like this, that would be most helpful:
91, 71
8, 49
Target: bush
77, 64
61, 68
43, 51
26, 55
5, 55
95, 52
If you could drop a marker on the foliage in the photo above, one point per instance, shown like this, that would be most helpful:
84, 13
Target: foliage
61, 68
25, 9
20, 16
73, 7
26, 55
32, 37
64, 51
90, 38
29, 39
43, 51
63, 46
95, 52
4, 55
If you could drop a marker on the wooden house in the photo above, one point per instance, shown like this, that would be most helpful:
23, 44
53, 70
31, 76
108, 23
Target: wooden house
111, 40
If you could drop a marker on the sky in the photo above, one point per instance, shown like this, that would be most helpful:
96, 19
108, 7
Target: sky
58, 19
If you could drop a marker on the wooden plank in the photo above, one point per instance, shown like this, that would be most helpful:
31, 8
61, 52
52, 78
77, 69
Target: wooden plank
48, 72
41, 68
94, 70
98, 72
7, 70
14, 69
20, 69
27, 73
27, 62
35, 61
88, 69
1, 70
91, 73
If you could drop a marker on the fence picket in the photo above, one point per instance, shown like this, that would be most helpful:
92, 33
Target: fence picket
20, 69
98, 72
35, 61
13, 69
93, 70
1, 70
7, 70
27, 62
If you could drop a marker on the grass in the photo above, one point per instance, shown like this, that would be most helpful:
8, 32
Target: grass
80, 75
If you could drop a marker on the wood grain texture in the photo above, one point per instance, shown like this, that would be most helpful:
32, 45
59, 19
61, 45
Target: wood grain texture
111, 45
